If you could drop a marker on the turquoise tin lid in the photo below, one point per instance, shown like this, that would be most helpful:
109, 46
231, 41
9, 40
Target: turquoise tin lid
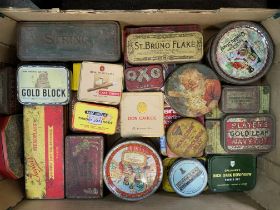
188, 177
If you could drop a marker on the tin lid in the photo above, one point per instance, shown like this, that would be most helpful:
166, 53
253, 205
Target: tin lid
187, 138
132, 170
192, 90
76, 76
188, 177
242, 52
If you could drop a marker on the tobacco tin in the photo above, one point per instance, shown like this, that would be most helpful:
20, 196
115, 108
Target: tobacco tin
167, 163
215, 114
76, 76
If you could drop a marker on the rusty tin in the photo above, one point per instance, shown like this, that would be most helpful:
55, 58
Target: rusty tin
43, 85
193, 90
11, 146
163, 44
44, 152
132, 170
69, 41
251, 133
83, 166
142, 114
101, 83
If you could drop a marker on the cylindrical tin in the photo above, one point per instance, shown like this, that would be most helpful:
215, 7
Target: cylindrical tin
192, 90
132, 170
242, 52
188, 177
167, 163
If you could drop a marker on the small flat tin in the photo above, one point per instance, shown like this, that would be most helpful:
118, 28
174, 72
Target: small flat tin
43, 85
188, 177
69, 41
83, 166
231, 173
167, 163
132, 170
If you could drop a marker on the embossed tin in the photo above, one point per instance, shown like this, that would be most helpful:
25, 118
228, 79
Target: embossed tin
44, 152
142, 114
132, 170
101, 83
192, 90
251, 133
69, 41
83, 166
188, 177
167, 163
232, 173
43, 85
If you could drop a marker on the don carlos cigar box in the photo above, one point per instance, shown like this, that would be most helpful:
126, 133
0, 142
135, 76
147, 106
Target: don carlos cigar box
44, 152
83, 166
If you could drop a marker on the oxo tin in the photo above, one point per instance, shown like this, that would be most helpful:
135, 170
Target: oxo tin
132, 170
83, 166
232, 173
188, 177
251, 133
242, 52
43, 85
192, 90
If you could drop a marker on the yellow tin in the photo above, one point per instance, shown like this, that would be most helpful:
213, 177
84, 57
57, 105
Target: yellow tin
76, 76
167, 163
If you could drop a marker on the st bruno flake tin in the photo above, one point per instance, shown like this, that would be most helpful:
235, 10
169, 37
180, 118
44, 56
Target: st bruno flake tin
132, 170
193, 90
188, 177
251, 133
43, 85
231, 173
242, 52
83, 166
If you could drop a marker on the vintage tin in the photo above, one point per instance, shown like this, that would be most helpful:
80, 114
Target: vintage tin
83, 166
101, 83
188, 177
215, 114
76, 76
69, 41
192, 90
43, 85
163, 44
44, 152
167, 163
242, 52
11, 146
245, 99
95, 118
132, 170
232, 173
169, 115
142, 114
251, 133
187, 138
72, 104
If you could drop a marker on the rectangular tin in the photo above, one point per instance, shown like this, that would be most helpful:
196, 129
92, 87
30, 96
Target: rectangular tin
69, 41
142, 114
101, 83
251, 133
95, 118
232, 173
76, 76
44, 152
72, 103
213, 128
215, 114
43, 85
83, 166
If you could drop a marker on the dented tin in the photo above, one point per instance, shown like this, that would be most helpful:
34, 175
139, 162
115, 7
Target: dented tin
101, 83
43, 85
167, 163
83, 166
132, 170
44, 152
69, 41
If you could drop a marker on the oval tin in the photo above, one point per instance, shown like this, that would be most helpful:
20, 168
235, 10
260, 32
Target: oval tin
43, 85
192, 90
242, 52
187, 138
188, 177
251, 133
132, 170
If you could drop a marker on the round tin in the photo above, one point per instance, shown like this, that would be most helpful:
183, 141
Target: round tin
193, 90
188, 177
242, 52
187, 138
132, 170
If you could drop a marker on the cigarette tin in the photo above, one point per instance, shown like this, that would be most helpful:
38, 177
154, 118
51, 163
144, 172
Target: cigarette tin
167, 163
